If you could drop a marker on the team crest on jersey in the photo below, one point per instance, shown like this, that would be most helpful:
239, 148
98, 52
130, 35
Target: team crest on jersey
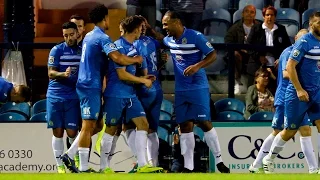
184, 41
296, 53
112, 46
209, 45
51, 59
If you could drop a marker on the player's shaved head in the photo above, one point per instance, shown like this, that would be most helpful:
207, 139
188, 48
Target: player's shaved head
301, 33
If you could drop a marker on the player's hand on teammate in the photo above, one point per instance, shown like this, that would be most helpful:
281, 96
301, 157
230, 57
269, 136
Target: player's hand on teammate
164, 56
151, 77
67, 72
191, 70
147, 82
303, 95
138, 59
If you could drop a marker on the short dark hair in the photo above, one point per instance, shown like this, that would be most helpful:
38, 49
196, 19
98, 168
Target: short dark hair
129, 24
173, 15
77, 17
25, 92
98, 13
313, 16
68, 25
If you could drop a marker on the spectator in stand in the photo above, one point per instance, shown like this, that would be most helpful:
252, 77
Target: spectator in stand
190, 11
268, 33
145, 8
258, 97
238, 33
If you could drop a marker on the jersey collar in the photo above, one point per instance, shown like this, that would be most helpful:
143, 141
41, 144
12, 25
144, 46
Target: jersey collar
98, 28
184, 31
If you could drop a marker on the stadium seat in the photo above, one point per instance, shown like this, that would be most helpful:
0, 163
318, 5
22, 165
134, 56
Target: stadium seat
259, 4
39, 117
230, 115
11, 117
198, 131
290, 18
169, 66
21, 108
238, 15
313, 4
219, 64
164, 116
167, 106
229, 104
39, 106
277, 4
261, 116
216, 22
163, 134
225, 4
305, 16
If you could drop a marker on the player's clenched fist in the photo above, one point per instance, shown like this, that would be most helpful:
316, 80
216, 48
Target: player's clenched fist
67, 72
138, 59
303, 95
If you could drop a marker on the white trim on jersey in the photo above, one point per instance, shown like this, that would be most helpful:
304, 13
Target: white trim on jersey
314, 51
184, 51
312, 57
70, 57
69, 63
181, 45
132, 52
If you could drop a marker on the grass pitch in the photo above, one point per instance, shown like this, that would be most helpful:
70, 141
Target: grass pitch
194, 176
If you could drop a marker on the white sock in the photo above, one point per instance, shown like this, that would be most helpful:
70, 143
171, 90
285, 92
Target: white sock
212, 141
264, 150
131, 137
57, 147
73, 150
276, 147
318, 140
307, 149
113, 148
153, 148
84, 158
187, 145
106, 144
141, 147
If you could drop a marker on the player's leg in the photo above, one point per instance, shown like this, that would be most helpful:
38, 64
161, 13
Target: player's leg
113, 108
55, 121
129, 129
136, 113
153, 116
277, 125
306, 145
294, 114
114, 144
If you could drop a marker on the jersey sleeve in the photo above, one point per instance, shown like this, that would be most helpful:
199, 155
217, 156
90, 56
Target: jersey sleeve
107, 45
54, 57
299, 50
203, 44
284, 59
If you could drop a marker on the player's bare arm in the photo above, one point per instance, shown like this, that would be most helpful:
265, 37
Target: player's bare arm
293, 76
125, 76
285, 74
210, 58
123, 59
53, 73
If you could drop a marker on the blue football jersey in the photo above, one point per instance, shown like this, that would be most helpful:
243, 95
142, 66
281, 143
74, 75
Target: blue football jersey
61, 57
282, 82
306, 51
5, 90
116, 87
185, 51
96, 45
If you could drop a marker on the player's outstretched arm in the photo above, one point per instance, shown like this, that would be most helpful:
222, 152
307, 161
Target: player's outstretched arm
54, 74
123, 59
125, 76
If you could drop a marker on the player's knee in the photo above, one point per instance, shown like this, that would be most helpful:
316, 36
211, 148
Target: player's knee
72, 133
99, 125
141, 123
186, 127
205, 125
111, 130
58, 132
317, 123
305, 131
287, 134
275, 132
88, 126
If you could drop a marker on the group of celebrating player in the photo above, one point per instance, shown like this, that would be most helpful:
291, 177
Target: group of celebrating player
116, 88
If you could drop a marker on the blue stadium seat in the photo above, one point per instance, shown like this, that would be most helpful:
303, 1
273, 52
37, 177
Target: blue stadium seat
229, 104
238, 15
164, 116
259, 4
39, 117
216, 22
290, 18
261, 116
198, 131
225, 4
169, 66
277, 4
313, 4
163, 134
305, 16
230, 115
219, 64
39, 106
167, 106
11, 117
21, 108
